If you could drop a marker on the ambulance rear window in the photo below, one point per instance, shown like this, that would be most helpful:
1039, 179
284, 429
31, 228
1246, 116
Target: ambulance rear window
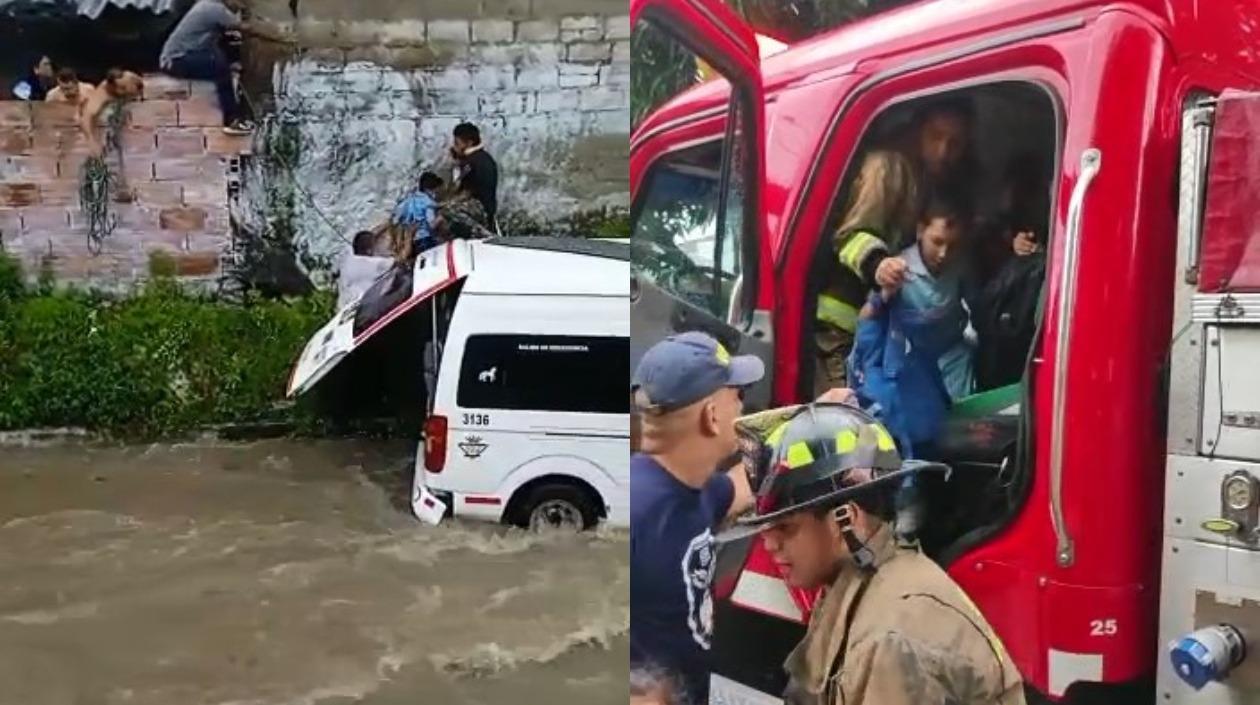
545, 373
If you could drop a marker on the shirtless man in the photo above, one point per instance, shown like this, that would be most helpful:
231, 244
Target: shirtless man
70, 90
118, 88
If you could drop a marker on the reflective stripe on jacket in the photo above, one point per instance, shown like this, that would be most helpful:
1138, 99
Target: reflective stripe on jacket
837, 313
850, 277
853, 248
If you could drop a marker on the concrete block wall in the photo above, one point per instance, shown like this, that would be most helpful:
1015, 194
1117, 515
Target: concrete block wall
175, 159
376, 105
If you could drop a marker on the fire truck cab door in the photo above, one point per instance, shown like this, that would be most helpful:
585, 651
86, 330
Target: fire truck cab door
698, 227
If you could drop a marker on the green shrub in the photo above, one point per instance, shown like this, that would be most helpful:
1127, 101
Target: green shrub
46, 280
160, 362
615, 224
12, 286
597, 222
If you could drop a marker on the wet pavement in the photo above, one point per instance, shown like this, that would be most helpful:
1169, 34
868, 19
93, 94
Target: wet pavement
287, 572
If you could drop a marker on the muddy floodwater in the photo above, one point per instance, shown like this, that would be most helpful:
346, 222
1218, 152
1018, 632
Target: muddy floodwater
287, 572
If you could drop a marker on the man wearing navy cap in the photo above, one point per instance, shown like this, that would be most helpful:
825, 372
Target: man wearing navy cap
689, 391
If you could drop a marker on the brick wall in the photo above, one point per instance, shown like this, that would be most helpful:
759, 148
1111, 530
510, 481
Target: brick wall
176, 160
551, 94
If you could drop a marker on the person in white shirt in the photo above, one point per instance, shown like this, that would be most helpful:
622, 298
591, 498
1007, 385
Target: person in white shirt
360, 268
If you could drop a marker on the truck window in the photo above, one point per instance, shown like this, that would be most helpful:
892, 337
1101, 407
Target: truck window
545, 373
990, 150
676, 242
689, 223
967, 173
660, 68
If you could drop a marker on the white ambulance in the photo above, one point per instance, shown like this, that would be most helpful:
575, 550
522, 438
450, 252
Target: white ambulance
528, 352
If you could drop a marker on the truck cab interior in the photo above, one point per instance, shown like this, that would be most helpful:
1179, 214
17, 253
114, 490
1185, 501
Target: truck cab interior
1011, 152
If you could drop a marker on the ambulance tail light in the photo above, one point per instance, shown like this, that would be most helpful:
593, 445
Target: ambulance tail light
435, 432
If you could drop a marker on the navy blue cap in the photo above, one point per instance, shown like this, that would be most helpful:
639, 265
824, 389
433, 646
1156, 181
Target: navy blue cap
685, 368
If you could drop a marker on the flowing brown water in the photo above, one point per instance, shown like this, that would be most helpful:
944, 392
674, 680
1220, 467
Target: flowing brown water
287, 572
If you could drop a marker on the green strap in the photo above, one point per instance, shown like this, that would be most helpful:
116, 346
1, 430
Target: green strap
994, 401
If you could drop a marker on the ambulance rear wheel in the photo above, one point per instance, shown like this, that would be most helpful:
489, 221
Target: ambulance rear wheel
556, 506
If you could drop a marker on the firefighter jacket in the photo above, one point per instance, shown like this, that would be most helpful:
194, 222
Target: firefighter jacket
903, 634
851, 276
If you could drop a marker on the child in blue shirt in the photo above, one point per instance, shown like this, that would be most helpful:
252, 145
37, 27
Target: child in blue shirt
911, 356
938, 281
418, 212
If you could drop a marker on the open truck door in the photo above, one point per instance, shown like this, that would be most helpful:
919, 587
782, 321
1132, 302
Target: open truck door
434, 271
699, 245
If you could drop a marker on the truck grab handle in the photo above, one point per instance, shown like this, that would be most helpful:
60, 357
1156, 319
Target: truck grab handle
1201, 120
1091, 162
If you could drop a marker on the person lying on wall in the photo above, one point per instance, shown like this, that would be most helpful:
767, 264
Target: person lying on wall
103, 108
462, 217
37, 82
360, 267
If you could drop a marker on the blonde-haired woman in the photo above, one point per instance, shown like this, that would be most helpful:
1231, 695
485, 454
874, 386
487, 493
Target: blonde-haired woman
878, 215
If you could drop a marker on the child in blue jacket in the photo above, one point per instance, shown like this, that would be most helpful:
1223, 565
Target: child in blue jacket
419, 211
911, 355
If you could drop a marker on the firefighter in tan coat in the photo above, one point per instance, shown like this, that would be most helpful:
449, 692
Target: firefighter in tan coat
882, 205
892, 627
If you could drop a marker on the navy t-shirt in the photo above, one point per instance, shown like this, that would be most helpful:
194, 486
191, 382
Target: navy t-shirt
671, 566
482, 182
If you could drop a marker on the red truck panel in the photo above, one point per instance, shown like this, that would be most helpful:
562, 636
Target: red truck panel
1230, 259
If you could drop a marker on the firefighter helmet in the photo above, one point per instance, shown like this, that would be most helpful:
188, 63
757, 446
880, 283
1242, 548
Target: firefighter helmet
823, 456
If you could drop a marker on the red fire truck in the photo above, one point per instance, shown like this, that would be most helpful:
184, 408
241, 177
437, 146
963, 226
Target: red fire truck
1134, 441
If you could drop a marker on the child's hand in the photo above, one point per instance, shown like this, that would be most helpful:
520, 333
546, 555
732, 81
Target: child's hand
891, 273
